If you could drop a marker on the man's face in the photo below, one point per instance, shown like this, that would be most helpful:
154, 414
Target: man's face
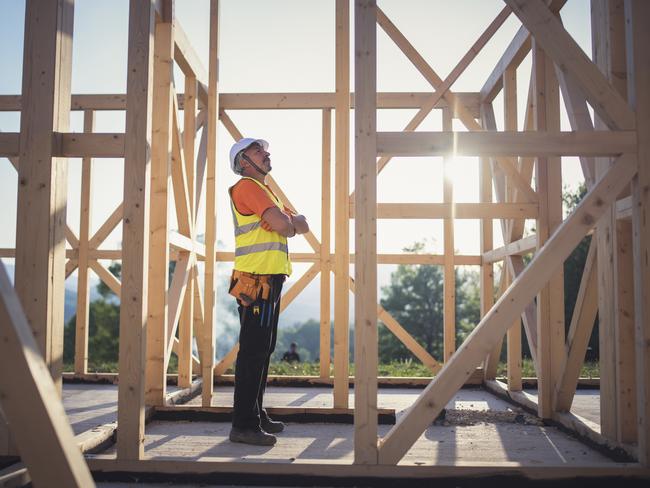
259, 156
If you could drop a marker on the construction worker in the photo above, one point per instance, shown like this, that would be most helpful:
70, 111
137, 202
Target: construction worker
262, 225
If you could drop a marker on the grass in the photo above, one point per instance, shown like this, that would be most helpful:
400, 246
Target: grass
400, 368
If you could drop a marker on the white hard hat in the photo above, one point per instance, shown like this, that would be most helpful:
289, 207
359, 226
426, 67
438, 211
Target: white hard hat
241, 145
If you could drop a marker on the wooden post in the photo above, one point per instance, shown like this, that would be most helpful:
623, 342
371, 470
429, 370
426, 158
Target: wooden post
365, 242
342, 208
42, 178
186, 325
31, 402
207, 361
161, 149
85, 217
550, 301
325, 263
135, 243
487, 269
449, 276
637, 15
514, 332
609, 54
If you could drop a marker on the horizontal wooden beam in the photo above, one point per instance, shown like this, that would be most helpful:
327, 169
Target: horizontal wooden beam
454, 210
71, 145
486, 144
310, 467
95, 145
522, 246
262, 101
9, 143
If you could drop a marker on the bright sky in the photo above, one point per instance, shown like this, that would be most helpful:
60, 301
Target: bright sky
287, 46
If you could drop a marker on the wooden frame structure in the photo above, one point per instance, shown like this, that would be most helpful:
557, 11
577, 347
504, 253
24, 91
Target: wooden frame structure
160, 158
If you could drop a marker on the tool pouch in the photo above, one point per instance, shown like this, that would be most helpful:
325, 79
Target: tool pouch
244, 287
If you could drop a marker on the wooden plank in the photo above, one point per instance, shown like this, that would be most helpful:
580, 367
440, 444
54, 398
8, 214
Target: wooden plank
186, 57
486, 241
161, 160
207, 360
422, 66
637, 14
513, 336
405, 338
325, 247
579, 117
582, 323
42, 188
107, 227
307, 100
182, 197
83, 290
565, 52
382, 474
70, 265
550, 300
520, 247
605, 55
449, 271
626, 424
512, 57
28, 392
492, 327
185, 333
595, 143
453, 210
135, 229
442, 88
289, 295
106, 276
175, 298
341, 207
9, 144
186, 324
78, 145
263, 101
365, 230
491, 363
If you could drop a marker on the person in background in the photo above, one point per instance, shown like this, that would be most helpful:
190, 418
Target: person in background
291, 355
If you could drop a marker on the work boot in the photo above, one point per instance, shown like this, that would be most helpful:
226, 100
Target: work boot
272, 426
251, 436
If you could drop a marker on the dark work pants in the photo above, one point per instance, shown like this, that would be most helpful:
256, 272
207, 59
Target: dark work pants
257, 335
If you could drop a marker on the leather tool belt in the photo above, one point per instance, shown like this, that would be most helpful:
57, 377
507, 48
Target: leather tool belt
247, 287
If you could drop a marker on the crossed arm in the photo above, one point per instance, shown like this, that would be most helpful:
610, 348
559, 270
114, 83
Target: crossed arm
284, 224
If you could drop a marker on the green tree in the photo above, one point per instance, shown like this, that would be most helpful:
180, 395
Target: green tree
415, 298
103, 328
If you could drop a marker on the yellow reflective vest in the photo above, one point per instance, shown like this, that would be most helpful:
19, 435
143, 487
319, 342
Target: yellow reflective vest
257, 250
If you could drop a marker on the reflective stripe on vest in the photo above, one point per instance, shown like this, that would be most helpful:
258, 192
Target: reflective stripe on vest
268, 246
258, 250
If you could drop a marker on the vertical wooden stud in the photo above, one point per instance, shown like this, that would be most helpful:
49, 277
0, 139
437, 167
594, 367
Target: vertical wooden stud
83, 290
365, 242
207, 361
325, 263
550, 301
342, 208
449, 276
637, 15
135, 243
161, 149
42, 178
